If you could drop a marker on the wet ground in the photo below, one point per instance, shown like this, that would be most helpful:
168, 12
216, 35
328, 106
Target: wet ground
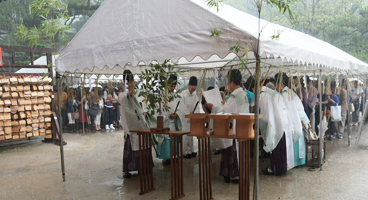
93, 165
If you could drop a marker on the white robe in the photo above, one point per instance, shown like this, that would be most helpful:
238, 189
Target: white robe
235, 105
131, 118
275, 122
187, 104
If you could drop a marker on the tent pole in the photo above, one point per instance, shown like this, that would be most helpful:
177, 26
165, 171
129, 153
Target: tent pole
58, 80
82, 88
320, 120
256, 138
348, 102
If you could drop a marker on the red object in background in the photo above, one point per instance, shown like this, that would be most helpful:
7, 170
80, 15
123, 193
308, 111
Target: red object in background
1, 58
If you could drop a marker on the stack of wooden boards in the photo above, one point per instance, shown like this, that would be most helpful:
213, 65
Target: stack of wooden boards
25, 107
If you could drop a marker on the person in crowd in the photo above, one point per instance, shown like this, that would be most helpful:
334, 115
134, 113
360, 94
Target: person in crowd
309, 101
100, 109
272, 127
189, 104
83, 114
108, 109
115, 109
324, 101
171, 120
333, 100
296, 147
249, 88
356, 100
94, 107
70, 104
237, 103
131, 118
295, 82
343, 96
64, 97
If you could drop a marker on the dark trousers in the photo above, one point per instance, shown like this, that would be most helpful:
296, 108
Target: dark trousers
108, 112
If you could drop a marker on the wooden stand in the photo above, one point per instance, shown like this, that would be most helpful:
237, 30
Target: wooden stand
310, 158
223, 126
176, 158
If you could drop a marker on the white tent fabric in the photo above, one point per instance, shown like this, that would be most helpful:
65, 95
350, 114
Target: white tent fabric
122, 34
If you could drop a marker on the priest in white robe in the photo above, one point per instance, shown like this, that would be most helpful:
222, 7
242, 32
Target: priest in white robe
273, 126
172, 120
293, 106
236, 103
131, 118
189, 103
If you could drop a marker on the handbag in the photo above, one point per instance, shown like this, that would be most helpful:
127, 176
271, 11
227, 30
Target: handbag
352, 108
75, 115
335, 113
92, 112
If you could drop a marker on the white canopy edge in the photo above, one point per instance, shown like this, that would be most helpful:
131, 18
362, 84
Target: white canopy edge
122, 35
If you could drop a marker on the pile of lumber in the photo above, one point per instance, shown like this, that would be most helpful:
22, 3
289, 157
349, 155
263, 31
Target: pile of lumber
25, 107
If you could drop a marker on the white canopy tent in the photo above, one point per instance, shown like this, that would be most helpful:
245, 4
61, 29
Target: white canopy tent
132, 33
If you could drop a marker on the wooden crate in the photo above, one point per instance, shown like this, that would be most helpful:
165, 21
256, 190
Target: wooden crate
1, 102
8, 130
34, 107
47, 99
21, 94
28, 107
35, 126
47, 87
13, 88
4, 81
14, 123
22, 135
36, 133
9, 137
1, 109
1, 123
41, 119
14, 109
20, 108
27, 87
29, 128
16, 137
6, 88
34, 80
48, 132
42, 131
13, 80
30, 134
7, 102
2, 137
34, 121
40, 100
40, 94
34, 114
14, 102
15, 129
34, 87
7, 110
20, 80
47, 112
6, 95
29, 121
27, 101
7, 116
41, 125
34, 94
14, 94
1, 117
15, 117
48, 136
41, 107
27, 80
47, 107
22, 122
34, 101
48, 119
48, 125
20, 88
22, 115
40, 87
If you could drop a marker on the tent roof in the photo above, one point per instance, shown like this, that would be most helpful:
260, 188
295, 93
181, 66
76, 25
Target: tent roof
122, 34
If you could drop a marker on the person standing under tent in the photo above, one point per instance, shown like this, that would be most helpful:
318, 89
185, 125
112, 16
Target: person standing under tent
310, 99
333, 100
293, 105
237, 103
272, 127
131, 118
343, 96
356, 94
108, 109
188, 102
70, 103
171, 120
115, 109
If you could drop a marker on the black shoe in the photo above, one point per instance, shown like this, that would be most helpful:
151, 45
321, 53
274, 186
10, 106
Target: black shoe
127, 175
194, 154
217, 152
166, 161
187, 156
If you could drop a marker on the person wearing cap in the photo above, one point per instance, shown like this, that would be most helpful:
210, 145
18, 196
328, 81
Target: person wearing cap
131, 118
188, 104
172, 120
